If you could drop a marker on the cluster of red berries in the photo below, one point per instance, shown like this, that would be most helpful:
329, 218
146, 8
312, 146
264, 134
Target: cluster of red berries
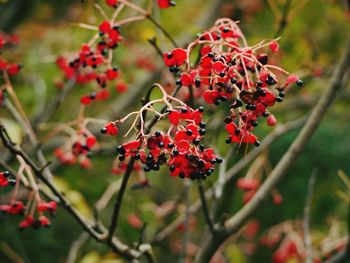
287, 251
8, 41
41, 221
11, 69
77, 149
89, 67
251, 185
229, 70
180, 148
16, 207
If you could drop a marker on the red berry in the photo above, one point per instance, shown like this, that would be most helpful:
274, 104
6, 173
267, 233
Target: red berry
121, 87
174, 117
112, 73
248, 184
112, 3
13, 69
165, 3
274, 46
292, 78
111, 129
105, 27
271, 120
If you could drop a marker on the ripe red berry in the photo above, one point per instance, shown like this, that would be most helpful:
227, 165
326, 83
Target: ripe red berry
104, 27
248, 184
110, 129
271, 120
13, 69
112, 3
274, 46
165, 3
121, 87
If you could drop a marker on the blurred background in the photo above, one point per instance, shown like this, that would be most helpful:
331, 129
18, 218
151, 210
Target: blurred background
313, 37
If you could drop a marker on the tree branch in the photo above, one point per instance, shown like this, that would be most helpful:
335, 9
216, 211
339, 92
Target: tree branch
284, 18
205, 207
306, 219
118, 201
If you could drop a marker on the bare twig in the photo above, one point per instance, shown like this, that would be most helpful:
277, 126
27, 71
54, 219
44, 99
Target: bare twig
118, 201
10, 253
153, 42
306, 220
205, 207
164, 31
343, 255
52, 107
186, 236
32, 138
76, 246
284, 18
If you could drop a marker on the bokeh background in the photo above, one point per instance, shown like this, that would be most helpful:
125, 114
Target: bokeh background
313, 37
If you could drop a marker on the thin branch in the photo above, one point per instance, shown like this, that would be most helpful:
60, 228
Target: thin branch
52, 107
233, 224
153, 42
306, 219
343, 255
10, 253
284, 18
164, 31
186, 231
205, 207
32, 138
118, 201
76, 246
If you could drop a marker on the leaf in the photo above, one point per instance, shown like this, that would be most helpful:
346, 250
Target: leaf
91, 257
79, 202
235, 254
14, 130
75, 197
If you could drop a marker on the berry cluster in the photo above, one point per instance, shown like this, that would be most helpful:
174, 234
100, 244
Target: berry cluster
227, 69
90, 67
180, 147
77, 147
35, 205
8, 41
7, 68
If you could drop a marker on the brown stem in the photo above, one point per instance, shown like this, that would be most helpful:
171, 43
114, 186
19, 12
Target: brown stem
118, 201
284, 19
164, 31
205, 207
